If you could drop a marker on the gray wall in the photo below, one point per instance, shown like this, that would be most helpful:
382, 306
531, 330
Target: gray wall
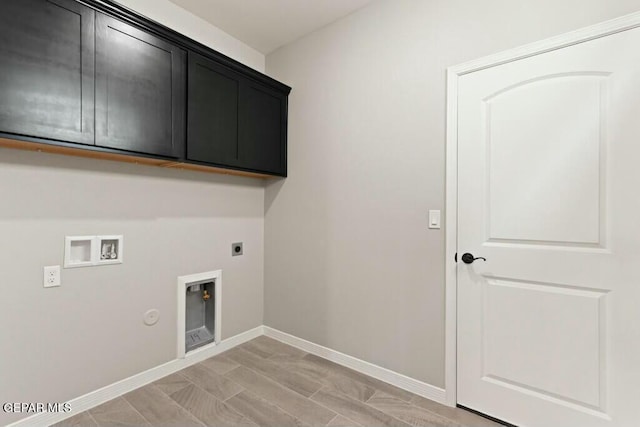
185, 22
60, 343
349, 261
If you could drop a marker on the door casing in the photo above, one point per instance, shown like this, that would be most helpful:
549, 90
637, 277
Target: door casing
603, 29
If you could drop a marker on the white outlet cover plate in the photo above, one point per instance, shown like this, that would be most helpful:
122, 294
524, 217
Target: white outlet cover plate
51, 276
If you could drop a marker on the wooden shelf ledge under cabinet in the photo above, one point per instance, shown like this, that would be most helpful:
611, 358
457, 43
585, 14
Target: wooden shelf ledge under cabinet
118, 157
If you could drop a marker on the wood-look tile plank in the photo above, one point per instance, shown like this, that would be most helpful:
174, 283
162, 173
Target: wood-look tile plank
115, 405
292, 380
208, 409
340, 421
350, 387
324, 375
266, 347
411, 414
261, 412
219, 364
302, 366
219, 386
457, 415
295, 404
157, 408
336, 369
129, 418
172, 383
117, 412
83, 419
257, 350
355, 410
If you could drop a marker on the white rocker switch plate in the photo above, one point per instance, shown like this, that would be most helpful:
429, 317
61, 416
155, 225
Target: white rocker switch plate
434, 219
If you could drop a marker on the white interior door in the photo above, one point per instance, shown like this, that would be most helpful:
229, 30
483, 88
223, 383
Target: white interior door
548, 193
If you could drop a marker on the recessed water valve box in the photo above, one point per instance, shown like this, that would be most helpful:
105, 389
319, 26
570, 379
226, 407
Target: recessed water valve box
110, 249
200, 316
199, 311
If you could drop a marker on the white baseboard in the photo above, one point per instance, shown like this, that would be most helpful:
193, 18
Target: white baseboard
383, 374
100, 396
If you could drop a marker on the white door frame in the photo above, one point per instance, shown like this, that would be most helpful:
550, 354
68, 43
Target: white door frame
606, 28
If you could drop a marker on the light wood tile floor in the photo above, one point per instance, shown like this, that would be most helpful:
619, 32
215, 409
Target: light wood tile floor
267, 383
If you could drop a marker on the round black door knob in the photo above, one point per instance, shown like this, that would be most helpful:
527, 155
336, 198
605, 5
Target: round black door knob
469, 258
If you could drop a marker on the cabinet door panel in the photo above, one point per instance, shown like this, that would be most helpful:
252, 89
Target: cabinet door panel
262, 129
47, 69
140, 90
212, 123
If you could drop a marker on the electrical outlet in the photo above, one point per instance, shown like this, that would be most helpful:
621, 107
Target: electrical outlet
236, 249
51, 276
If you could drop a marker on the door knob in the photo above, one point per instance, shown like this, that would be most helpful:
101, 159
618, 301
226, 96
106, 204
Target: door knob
469, 258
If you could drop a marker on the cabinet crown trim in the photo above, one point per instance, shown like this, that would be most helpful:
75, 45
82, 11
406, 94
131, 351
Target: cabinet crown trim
124, 13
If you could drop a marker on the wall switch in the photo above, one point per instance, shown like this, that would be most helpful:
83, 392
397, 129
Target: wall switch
51, 276
434, 219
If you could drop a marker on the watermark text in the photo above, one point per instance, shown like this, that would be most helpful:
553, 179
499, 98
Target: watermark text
26, 408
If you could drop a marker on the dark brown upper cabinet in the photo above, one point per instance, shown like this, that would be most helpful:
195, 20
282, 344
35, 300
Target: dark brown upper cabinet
47, 69
234, 121
95, 79
140, 90
262, 128
212, 123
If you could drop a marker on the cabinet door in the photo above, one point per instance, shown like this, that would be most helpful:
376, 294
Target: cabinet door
212, 123
140, 90
262, 129
47, 69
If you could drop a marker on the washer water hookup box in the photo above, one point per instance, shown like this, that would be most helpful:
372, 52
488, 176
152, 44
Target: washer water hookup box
88, 251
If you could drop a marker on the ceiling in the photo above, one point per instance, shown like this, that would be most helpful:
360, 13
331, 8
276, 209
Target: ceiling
265, 25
